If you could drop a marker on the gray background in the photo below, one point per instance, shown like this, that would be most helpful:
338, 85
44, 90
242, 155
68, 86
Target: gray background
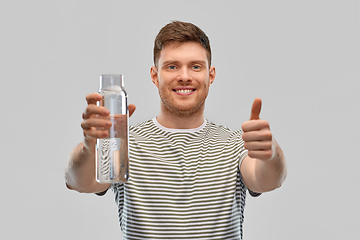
300, 57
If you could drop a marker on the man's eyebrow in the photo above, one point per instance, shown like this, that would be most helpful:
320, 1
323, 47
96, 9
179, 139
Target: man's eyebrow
202, 62
170, 62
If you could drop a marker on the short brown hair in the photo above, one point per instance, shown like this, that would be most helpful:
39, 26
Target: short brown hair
180, 32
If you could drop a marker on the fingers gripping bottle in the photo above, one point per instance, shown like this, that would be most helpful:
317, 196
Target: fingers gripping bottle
112, 158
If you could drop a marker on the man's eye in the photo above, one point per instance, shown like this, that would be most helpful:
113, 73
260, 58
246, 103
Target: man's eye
196, 67
171, 67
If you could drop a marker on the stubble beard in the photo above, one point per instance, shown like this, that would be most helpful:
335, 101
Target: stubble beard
170, 107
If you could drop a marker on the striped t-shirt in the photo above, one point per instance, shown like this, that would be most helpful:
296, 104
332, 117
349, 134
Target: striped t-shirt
184, 183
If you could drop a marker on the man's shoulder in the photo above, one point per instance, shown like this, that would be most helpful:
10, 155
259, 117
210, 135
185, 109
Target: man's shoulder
221, 127
223, 132
217, 125
143, 126
142, 131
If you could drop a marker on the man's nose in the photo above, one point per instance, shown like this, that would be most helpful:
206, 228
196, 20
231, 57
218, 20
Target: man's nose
184, 75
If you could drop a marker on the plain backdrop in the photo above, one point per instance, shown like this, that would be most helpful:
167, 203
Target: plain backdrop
300, 57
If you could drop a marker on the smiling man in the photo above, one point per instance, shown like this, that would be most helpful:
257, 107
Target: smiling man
183, 77
188, 175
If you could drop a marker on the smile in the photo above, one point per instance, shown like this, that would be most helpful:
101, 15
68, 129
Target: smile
184, 91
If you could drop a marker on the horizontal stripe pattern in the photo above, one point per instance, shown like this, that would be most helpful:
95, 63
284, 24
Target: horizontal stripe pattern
183, 185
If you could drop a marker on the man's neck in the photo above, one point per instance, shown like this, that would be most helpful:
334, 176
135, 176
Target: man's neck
180, 121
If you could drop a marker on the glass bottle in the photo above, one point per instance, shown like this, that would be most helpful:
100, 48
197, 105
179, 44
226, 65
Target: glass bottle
112, 158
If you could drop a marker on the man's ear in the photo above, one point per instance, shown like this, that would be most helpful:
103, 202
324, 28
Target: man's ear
212, 74
154, 76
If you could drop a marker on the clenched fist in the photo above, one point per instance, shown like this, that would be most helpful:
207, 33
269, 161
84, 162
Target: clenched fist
258, 139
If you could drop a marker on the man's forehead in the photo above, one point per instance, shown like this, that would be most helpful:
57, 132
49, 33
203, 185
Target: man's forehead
174, 45
189, 50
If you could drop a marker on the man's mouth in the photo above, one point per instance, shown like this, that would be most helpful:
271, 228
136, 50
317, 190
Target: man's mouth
184, 91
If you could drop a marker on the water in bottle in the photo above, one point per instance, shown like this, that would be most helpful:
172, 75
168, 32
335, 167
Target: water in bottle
112, 160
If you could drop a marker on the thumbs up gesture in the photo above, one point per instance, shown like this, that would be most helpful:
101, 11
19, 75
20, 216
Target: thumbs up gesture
257, 136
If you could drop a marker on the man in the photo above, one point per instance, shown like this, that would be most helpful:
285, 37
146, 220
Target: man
188, 176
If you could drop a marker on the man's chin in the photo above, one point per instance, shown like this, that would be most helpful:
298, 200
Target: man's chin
187, 111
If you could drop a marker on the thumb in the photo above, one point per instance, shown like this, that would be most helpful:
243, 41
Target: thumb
255, 109
131, 108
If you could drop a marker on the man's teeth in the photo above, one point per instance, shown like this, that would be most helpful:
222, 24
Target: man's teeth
184, 91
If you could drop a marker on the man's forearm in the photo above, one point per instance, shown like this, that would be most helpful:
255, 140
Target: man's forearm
80, 172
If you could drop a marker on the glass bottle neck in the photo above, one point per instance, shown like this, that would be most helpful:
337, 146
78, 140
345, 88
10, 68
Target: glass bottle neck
111, 82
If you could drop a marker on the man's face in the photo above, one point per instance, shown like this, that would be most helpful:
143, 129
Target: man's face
183, 78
